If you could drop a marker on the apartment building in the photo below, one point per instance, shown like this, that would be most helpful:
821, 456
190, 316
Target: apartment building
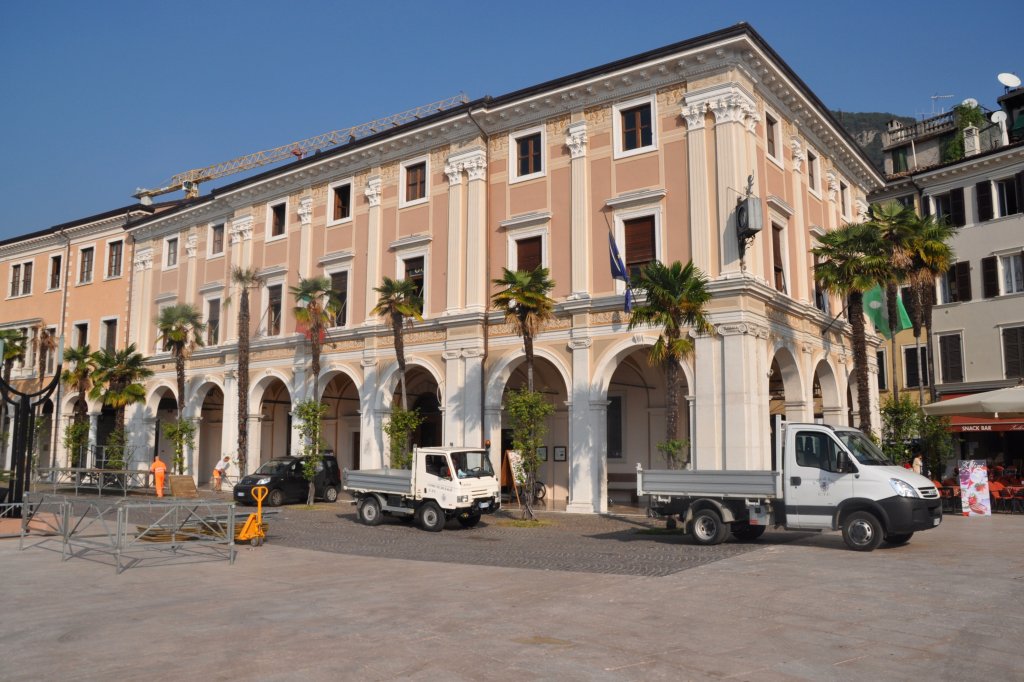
655, 149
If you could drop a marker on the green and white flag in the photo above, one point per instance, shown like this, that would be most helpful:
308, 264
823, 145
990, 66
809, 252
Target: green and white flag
877, 311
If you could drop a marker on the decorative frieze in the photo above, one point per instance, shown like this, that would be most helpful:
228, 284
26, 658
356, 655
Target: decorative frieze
748, 328
191, 245
241, 229
576, 139
306, 210
797, 147
143, 259
833, 184
373, 190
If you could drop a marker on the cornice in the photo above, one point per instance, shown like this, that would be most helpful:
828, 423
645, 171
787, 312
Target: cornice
525, 220
642, 197
410, 241
336, 258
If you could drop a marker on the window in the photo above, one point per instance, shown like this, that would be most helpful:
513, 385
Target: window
81, 334
636, 127
213, 322
949, 207
906, 201
1012, 267
1007, 200
771, 131
55, 271
341, 201
614, 427
882, 369
339, 285
85, 265
49, 354
24, 358
110, 335
21, 279
529, 253
274, 309
415, 181
899, 160
778, 265
1013, 352
278, 219
114, 253
15, 280
821, 298
951, 359
844, 199
817, 451
528, 155
414, 271
910, 368
812, 171
640, 243
171, 258
633, 124
217, 239
955, 285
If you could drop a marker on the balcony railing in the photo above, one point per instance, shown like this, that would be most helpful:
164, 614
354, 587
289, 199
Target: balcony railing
929, 126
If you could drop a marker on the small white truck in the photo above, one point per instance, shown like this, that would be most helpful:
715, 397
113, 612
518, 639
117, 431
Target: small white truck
828, 478
443, 483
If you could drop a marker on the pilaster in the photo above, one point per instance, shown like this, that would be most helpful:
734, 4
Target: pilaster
371, 433
475, 164
454, 407
697, 175
305, 236
576, 141
585, 484
456, 230
373, 193
802, 289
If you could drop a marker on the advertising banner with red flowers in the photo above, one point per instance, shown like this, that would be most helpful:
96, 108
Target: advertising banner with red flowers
974, 495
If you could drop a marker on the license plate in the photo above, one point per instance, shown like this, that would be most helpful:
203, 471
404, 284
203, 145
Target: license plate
936, 522
241, 494
485, 505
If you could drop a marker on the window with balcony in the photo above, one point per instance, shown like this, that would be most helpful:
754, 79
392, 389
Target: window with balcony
951, 358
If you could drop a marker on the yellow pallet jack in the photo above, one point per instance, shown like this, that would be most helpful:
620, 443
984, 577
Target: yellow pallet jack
254, 531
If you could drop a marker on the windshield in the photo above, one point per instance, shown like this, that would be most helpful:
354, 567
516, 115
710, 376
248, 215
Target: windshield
863, 449
274, 466
472, 464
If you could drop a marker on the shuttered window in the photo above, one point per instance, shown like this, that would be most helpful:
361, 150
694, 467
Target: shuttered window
636, 127
957, 212
414, 271
1013, 352
339, 285
880, 361
990, 277
983, 191
777, 262
639, 243
528, 253
951, 361
958, 279
528, 159
910, 367
416, 181
342, 202
213, 322
274, 310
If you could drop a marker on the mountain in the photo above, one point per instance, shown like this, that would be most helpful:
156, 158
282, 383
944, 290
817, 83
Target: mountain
867, 128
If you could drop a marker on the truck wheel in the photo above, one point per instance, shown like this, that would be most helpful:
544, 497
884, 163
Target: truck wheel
862, 531
469, 521
369, 511
707, 527
431, 517
897, 539
275, 498
744, 532
331, 494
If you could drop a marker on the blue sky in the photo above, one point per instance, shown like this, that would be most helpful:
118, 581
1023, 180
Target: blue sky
99, 98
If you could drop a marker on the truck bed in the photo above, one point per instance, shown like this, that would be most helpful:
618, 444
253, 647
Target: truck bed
386, 481
676, 483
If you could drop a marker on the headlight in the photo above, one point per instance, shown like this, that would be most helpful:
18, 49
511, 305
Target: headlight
263, 481
902, 488
461, 499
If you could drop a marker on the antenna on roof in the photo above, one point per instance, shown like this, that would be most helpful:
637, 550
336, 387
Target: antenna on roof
1009, 80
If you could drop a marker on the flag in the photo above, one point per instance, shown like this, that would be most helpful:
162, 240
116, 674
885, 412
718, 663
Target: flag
878, 312
619, 269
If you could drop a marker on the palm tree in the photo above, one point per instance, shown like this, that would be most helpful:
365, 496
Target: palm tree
399, 301
894, 224
674, 298
117, 379
851, 260
932, 256
181, 330
45, 343
13, 350
245, 279
527, 306
315, 309
79, 375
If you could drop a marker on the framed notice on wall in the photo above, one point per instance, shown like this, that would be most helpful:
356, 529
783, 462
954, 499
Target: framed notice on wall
559, 453
542, 453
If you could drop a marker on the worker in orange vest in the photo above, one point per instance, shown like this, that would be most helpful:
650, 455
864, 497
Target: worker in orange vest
159, 469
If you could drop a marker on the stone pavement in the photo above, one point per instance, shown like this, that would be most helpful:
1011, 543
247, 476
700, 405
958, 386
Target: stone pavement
394, 602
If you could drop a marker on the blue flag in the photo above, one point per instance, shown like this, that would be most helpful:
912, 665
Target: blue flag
619, 269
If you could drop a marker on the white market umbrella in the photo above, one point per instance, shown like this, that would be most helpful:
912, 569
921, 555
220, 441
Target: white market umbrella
1007, 403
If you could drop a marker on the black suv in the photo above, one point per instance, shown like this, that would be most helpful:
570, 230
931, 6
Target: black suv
285, 483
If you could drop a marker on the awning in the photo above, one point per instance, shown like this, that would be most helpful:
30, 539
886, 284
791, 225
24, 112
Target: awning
984, 425
1007, 403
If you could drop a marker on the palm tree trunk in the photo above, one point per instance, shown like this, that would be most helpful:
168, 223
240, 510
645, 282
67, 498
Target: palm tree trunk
929, 301
528, 349
243, 380
314, 352
672, 406
396, 327
860, 360
179, 369
892, 310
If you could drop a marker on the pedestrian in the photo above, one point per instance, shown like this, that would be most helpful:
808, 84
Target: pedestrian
159, 470
219, 472
918, 465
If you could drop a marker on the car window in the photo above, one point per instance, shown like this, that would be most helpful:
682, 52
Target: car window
818, 450
274, 466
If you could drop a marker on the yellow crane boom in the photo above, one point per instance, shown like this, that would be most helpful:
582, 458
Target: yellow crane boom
189, 180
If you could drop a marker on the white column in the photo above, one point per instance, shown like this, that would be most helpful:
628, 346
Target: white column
801, 288
252, 457
373, 248
707, 441
472, 393
453, 397
492, 427
599, 429
585, 476
191, 454
142, 298
697, 174
94, 419
476, 227
229, 417
744, 396
305, 236
241, 243
576, 140
371, 434
453, 293
191, 248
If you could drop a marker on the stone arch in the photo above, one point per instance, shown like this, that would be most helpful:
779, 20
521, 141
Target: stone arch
786, 393
389, 380
202, 386
273, 435
332, 371
156, 394
611, 359
342, 425
257, 388
501, 371
831, 402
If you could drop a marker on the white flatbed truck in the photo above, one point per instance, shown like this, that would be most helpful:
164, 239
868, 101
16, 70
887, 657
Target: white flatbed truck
830, 478
443, 483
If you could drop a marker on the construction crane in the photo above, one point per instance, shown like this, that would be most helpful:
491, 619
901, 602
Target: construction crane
190, 179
